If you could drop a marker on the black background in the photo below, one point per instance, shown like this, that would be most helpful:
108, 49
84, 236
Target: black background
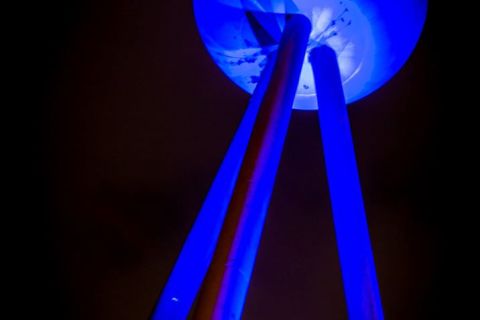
124, 120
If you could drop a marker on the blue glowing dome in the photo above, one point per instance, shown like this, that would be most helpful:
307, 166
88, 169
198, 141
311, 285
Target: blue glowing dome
372, 39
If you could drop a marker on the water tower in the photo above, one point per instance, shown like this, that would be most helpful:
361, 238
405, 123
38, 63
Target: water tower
316, 55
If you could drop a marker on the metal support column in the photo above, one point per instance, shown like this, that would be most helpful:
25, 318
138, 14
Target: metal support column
356, 258
225, 287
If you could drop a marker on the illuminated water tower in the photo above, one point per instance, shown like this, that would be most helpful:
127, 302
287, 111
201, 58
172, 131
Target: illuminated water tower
289, 54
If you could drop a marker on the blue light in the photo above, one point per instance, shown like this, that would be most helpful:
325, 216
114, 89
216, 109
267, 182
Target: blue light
372, 39
356, 258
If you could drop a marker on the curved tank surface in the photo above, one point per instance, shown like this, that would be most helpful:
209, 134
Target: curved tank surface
372, 39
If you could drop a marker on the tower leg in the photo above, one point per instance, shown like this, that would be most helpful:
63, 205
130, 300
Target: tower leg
192, 264
225, 287
356, 258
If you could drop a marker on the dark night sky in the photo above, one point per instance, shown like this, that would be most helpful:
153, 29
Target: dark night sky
127, 121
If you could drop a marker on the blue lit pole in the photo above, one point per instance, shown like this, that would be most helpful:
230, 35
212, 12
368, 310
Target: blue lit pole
356, 258
194, 260
225, 287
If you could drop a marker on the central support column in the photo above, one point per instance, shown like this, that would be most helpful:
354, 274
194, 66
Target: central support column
225, 287
356, 258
